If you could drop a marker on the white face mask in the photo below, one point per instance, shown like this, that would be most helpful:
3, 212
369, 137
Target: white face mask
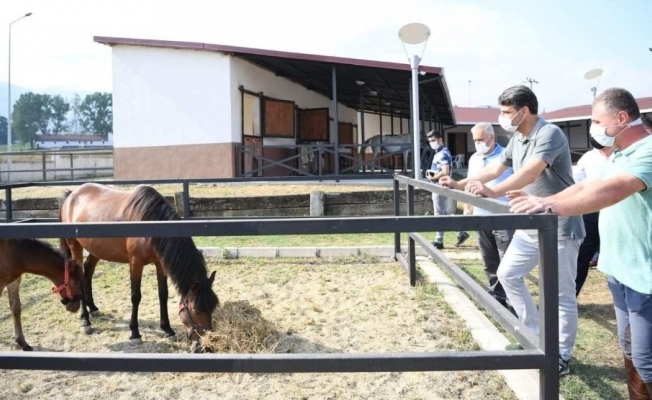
599, 133
506, 122
434, 145
482, 147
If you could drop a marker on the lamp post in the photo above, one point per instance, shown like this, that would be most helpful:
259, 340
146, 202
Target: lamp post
9, 93
415, 33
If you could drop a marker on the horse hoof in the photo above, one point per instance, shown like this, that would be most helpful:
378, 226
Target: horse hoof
87, 330
28, 348
170, 336
136, 341
95, 313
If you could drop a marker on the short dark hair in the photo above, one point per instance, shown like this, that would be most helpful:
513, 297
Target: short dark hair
435, 134
519, 97
616, 100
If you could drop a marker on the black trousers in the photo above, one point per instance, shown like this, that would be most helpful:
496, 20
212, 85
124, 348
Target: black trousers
493, 245
588, 248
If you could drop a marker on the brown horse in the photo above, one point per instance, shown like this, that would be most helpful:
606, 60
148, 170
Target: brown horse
176, 257
35, 257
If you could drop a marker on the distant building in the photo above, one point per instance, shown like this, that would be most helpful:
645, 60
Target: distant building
73, 141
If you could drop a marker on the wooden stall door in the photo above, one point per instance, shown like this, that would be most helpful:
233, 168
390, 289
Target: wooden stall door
279, 118
313, 125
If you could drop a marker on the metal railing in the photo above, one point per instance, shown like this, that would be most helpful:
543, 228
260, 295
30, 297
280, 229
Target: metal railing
540, 352
320, 159
48, 160
547, 343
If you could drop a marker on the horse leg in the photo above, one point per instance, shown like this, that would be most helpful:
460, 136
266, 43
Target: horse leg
77, 255
163, 300
89, 270
16, 309
136, 275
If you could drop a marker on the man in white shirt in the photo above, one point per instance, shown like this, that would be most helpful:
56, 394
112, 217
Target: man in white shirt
493, 243
589, 167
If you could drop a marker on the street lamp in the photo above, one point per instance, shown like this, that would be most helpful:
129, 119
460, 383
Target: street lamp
592, 74
9, 94
415, 33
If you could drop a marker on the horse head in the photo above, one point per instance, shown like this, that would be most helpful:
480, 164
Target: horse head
69, 286
196, 310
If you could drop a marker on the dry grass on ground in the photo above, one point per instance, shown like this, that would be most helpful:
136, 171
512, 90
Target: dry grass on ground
326, 306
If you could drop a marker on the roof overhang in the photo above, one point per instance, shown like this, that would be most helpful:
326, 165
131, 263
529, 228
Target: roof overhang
389, 81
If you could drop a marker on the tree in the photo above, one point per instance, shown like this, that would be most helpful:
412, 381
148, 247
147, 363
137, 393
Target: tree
97, 113
59, 108
31, 114
75, 122
3, 130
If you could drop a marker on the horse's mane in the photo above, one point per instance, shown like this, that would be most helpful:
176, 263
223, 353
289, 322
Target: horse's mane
181, 259
38, 247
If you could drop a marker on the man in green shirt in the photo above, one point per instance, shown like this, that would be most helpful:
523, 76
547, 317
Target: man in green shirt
623, 193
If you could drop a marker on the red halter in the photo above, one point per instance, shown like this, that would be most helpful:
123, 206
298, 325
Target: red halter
66, 284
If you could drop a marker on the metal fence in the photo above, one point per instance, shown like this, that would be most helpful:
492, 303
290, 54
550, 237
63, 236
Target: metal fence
540, 352
50, 165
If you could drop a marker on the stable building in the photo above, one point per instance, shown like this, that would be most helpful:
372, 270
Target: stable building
196, 110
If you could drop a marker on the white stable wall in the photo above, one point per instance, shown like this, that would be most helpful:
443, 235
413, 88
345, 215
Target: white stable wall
170, 97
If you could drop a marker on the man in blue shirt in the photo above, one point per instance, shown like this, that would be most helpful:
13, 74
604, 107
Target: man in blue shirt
623, 193
442, 165
493, 243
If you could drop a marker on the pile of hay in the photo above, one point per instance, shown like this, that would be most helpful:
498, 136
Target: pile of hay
239, 327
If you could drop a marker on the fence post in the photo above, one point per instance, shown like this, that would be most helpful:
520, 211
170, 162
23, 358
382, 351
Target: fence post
9, 215
397, 212
72, 170
411, 245
45, 178
186, 200
549, 312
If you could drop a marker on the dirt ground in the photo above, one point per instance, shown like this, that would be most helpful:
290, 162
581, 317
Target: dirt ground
343, 305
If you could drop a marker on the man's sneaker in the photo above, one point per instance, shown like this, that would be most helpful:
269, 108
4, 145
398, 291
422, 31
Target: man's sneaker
438, 245
461, 238
516, 346
564, 369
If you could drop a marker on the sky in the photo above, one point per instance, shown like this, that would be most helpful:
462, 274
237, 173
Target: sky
493, 44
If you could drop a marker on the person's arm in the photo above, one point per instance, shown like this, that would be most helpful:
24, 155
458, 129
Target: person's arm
584, 199
445, 169
549, 145
486, 174
569, 191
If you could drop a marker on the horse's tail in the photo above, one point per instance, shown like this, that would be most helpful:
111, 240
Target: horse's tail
63, 244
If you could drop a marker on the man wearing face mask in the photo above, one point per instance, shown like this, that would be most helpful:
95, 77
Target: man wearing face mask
540, 156
442, 166
623, 193
492, 243
589, 167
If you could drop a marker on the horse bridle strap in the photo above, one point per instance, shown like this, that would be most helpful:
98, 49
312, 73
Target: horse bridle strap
66, 286
183, 306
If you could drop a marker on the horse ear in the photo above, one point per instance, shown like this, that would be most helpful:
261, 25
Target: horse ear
211, 278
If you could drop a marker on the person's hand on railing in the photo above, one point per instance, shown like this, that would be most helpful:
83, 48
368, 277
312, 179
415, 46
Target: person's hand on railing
523, 203
449, 182
479, 189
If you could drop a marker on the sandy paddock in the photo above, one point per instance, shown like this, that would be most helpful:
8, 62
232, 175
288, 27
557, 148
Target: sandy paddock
344, 305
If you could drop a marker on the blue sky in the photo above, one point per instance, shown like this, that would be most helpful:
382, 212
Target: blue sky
494, 44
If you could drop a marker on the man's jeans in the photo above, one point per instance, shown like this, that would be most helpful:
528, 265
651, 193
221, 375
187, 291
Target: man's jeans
521, 257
